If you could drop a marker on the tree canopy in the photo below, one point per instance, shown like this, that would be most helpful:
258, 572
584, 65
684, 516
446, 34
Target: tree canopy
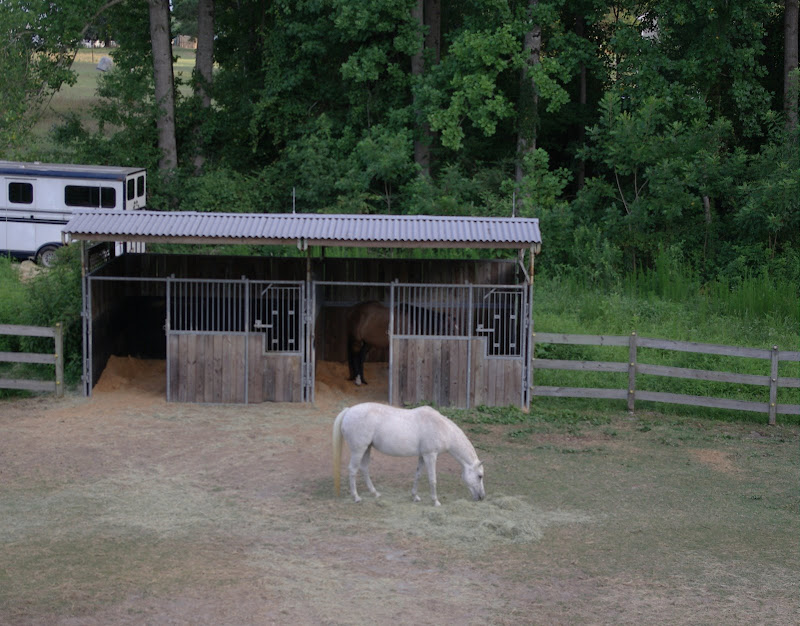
630, 128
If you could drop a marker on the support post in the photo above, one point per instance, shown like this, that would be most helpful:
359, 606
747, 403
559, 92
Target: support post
632, 371
773, 386
59, 358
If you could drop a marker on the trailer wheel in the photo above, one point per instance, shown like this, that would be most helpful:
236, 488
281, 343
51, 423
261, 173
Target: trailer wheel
47, 256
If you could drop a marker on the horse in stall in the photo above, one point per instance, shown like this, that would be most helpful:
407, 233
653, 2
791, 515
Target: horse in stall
422, 432
368, 327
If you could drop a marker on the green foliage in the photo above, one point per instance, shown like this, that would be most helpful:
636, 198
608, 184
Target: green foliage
676, 144
52, 297
48, 298
219, 190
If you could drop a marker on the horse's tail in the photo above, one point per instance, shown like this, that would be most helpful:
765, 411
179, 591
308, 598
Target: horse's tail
337, 451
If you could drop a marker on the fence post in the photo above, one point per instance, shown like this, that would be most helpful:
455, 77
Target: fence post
773, 386
59, 357
632, 371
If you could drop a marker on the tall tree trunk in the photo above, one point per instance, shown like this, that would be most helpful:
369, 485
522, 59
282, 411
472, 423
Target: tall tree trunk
204, 68
790, 64
164, 83
422, 154
580, 27
433, 38
529, 102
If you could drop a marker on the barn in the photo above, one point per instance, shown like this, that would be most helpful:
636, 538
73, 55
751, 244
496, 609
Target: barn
252, 329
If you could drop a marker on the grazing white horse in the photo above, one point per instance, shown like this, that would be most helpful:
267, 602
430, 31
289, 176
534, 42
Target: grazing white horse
422, 432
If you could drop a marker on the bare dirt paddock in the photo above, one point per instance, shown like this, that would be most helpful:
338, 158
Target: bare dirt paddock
126, 509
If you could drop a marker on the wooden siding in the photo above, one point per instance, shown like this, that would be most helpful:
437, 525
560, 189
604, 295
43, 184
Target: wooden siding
210, 368
273, 377
432, 371
496, 381
436, 371
206, 368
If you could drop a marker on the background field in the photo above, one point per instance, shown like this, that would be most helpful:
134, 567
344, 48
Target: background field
80, 97
127, 509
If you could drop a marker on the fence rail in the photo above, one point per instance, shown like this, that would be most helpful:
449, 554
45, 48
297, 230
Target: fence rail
56, 358
632, 367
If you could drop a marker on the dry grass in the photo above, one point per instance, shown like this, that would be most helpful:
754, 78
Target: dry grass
127, 509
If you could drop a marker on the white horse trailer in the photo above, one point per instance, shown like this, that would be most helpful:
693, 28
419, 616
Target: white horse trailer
37, 200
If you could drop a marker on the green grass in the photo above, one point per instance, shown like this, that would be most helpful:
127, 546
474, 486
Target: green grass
716, 313
80, 97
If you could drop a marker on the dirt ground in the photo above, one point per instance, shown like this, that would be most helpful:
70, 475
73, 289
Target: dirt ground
126, 509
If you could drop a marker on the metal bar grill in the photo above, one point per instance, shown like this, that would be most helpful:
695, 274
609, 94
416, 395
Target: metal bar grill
278, 314
431, 311
500, 318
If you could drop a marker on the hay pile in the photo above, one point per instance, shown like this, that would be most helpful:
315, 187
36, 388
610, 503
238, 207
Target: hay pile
478, 524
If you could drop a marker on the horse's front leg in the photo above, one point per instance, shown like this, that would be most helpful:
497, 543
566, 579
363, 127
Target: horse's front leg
353, 349
361, 358
418, 473
430, 464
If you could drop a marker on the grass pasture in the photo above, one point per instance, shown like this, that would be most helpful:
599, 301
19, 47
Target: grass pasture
128, 509
80, 97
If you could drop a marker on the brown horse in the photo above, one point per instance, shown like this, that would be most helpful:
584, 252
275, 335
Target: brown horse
368, 327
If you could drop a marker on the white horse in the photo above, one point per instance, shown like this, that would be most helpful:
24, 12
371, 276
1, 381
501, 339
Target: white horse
422, 432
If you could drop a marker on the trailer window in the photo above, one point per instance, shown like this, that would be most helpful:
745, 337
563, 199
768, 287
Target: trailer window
108, 197
140, 186
93, 197
78, 195
131, 189
20, 193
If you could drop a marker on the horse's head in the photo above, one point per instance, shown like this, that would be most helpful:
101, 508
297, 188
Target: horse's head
473, 477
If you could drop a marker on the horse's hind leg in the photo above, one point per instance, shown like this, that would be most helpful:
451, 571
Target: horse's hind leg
418, 473
365, 472
360, 461
355, 461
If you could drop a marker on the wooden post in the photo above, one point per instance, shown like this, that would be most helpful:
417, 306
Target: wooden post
59, 357
773, 386
632, 371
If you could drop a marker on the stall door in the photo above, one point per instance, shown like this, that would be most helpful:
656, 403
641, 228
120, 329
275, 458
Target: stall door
236, 341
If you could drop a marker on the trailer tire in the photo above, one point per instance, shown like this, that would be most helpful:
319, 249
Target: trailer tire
47, 256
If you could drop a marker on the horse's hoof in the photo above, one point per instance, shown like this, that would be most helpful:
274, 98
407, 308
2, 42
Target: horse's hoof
356, 499
416, 499
437, 503
358, 380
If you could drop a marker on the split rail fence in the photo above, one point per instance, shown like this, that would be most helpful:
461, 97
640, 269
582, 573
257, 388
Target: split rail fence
56, 358
633, 368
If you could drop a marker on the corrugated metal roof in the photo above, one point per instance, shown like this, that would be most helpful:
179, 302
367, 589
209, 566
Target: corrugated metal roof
305, 229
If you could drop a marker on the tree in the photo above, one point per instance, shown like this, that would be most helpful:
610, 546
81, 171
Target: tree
529, 96
164, 82
790, 78
203, 72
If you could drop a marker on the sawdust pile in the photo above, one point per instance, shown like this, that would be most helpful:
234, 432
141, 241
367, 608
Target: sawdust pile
333, 390
128, 373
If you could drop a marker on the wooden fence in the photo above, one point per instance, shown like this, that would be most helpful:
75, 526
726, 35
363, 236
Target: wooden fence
57, 358
632, 367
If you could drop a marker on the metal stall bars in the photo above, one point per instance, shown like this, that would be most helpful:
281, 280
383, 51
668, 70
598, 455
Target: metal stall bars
459, 345
235, 341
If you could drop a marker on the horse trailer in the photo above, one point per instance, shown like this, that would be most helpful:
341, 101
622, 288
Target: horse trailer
38, 199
